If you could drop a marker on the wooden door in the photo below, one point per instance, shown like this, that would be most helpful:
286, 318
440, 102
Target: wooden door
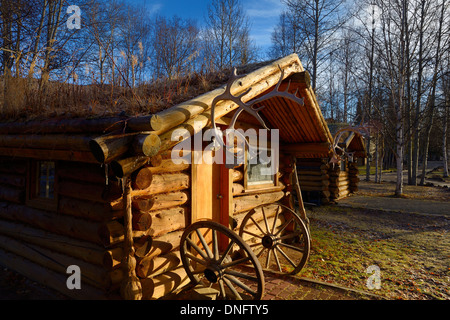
211, 191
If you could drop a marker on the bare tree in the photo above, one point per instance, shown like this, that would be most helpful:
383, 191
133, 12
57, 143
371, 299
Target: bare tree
229, 27
175, 45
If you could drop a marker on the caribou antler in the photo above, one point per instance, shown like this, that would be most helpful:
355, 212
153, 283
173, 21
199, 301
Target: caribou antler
249, 106
361, 129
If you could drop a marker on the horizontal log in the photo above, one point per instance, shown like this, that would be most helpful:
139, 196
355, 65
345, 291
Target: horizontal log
52, 222
168, 220
154, 266
168, 166
247, 202
161, 201
269, 210
172, 239
313, 178
111, 146
311, 163
340, 194
158, 248
198, 122
90, 210
176, 115
46, 141
311, 188
56, 125
12, 180
312, 172
164, 183
87, 172
113, 258
141, 221
162, 285
141, 179
337, 190
11, 194
48, 154
49, 278
125, 167
314, 183
146, 144
16, 166
238, 175
142, 246
88, 191
91, 274
83, 250
238, 188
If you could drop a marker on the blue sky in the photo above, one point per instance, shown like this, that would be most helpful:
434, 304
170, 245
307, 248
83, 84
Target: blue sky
263, 14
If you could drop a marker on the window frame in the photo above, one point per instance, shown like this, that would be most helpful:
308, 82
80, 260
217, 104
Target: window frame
32, 194
262, 186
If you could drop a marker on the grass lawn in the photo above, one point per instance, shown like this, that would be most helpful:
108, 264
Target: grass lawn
412, 251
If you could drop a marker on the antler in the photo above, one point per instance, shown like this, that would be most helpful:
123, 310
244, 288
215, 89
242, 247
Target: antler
248, 107
361, 129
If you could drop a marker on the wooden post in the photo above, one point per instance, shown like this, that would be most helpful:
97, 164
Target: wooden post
131, 288
296, 183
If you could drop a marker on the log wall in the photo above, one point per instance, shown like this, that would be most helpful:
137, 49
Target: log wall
87, 227
322, 182
42, 244
314, 179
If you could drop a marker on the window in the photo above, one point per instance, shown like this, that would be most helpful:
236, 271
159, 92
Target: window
41, 188
261, 171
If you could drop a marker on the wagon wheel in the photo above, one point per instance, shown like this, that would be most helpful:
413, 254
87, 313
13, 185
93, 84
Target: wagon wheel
219, 258
280, 240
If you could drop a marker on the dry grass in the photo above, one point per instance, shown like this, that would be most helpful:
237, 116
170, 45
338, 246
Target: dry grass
23, 100
411, 250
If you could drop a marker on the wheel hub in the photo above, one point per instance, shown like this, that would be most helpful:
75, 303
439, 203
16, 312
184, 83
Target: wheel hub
269, 241
213, 273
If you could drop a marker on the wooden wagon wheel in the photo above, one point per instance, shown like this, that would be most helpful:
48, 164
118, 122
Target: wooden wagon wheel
219, 258
280, 240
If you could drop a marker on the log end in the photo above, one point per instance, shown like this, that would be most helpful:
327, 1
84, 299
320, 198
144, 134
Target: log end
97, 151
156, 123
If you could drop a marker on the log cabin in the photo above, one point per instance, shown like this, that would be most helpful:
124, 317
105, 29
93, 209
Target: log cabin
104, 194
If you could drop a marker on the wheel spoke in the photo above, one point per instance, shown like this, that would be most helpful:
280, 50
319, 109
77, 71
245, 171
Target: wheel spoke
257, 225
268, 259
197, 248
215, 245
235, 262
252, 234
286, 257
194, 258
265, 220
291, 247
276, 259
275, 220
290, 235
262, 250
241, 275
227, 251
232, 288
204, 244
222, 289
284, 226
241, 285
